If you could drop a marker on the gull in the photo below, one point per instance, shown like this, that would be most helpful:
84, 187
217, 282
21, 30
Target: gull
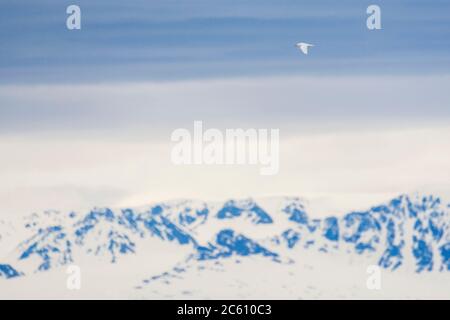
303, 46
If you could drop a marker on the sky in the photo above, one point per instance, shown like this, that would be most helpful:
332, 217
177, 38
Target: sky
148, 40
86, 115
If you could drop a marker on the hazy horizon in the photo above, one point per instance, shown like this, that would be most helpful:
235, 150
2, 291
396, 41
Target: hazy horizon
86, 115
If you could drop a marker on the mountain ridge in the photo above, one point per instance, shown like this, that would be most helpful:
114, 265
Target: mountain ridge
410, 232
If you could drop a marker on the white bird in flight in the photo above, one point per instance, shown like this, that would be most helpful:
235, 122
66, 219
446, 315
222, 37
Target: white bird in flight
303, 46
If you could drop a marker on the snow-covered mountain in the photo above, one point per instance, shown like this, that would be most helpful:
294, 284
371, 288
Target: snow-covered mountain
410, 233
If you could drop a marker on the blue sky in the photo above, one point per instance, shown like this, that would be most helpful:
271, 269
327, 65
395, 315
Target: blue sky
154, 40
395, 75
86, 116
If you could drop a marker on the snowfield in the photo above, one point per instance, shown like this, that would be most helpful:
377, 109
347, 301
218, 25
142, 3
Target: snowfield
272, 248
